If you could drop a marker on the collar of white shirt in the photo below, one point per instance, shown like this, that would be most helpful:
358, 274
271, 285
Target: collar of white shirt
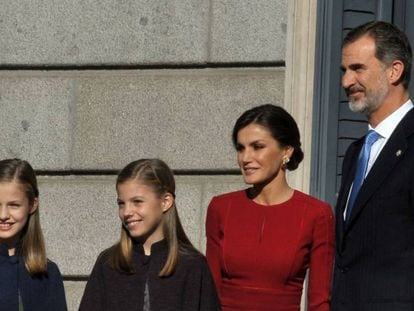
385, 129
388, 125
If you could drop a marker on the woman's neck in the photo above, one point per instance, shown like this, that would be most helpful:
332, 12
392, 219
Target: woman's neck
12, 251
274, 192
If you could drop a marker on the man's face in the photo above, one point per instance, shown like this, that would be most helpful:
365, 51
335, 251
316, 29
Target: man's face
364, 76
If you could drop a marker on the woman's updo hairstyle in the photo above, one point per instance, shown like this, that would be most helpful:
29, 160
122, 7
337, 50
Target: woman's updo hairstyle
279, 123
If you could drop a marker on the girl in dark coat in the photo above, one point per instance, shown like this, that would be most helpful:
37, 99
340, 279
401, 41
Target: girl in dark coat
28, 280
154, 265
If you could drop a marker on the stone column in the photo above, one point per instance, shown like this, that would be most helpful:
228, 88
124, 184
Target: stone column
300, 59
299, 75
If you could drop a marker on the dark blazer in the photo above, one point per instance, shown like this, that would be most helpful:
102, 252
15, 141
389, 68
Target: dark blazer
43, 293
189, 288
374, 264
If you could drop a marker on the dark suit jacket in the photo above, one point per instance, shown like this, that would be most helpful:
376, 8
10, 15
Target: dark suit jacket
374, 264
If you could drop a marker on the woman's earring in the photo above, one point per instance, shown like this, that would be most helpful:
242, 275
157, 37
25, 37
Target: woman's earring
285, 160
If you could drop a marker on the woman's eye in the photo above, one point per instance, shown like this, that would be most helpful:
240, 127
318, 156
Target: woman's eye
14, 205
239, 148
258, 146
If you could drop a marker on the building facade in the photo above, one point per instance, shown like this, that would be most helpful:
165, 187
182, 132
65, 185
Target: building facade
88, 86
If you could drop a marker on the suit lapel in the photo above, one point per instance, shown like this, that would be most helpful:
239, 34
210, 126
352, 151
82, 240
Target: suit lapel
348, 173
390, 155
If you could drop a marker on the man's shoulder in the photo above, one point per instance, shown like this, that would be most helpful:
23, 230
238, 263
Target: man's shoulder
407, 123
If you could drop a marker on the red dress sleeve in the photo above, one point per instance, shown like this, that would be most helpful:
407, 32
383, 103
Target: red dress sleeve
321, 260
213, 233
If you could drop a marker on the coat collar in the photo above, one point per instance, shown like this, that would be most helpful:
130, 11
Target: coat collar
4, 254
157, 247
389, 157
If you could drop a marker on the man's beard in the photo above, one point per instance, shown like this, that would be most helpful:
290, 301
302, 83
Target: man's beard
372, 100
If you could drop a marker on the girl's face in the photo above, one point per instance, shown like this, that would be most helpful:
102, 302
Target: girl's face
259, 155
14, 212
141, 211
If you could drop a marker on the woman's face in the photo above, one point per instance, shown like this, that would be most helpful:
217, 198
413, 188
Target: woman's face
141, 211
259, 155
15, 209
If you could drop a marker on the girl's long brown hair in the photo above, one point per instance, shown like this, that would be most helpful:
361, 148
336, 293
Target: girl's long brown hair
32, 248
156, 174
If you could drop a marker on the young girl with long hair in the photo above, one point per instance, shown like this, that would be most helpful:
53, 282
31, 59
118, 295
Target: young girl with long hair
154, 266
28, 280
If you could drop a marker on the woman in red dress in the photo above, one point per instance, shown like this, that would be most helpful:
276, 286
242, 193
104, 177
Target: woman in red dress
261, 241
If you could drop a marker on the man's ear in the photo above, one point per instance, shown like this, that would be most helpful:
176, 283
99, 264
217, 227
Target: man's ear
396, 71
167, 201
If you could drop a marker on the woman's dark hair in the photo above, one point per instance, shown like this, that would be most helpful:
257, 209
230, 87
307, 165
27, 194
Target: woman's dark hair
279, 123
156, 174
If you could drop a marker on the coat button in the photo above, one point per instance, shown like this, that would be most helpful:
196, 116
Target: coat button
344, 270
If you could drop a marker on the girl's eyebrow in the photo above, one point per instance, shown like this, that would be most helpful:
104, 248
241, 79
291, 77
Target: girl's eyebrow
15, 201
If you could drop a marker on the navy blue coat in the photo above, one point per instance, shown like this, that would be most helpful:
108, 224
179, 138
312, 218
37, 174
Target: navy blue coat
374, 264
44, 293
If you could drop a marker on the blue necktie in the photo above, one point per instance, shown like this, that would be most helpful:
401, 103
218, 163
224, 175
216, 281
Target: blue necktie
361, 169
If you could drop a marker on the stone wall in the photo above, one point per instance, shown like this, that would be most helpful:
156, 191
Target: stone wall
88, 86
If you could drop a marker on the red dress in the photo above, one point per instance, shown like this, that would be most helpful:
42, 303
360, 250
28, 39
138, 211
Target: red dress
259, 254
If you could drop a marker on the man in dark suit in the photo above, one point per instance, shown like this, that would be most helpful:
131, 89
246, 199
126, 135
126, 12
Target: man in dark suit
374, 264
